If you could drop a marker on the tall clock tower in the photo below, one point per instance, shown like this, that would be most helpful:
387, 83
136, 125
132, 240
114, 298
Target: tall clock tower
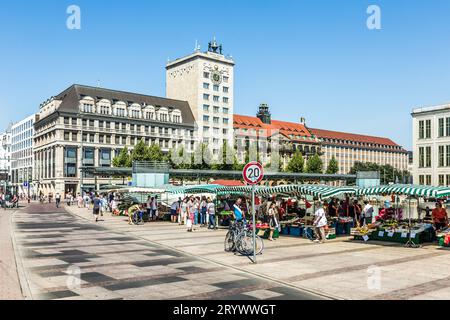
205, 80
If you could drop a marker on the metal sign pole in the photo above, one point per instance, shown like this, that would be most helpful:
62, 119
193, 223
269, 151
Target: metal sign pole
254, 224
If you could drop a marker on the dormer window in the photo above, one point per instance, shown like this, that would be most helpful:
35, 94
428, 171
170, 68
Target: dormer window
88, 108
120, 112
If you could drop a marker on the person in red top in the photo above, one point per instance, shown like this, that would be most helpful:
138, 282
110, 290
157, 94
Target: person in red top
440, 217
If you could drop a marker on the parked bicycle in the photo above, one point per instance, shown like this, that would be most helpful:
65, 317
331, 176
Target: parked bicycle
240, 239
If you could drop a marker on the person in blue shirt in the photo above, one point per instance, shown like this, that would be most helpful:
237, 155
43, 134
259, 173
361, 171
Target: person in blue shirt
237, 211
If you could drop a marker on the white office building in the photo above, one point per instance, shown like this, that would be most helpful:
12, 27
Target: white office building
5, 160
22, 134
205, 80
431, 145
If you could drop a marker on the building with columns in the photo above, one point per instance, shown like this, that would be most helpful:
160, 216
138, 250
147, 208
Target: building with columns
86, 126
206, 81
431, 145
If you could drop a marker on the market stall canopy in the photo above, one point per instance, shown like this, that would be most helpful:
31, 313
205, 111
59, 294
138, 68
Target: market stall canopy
410, 190
319, 191
141, 190
210, 188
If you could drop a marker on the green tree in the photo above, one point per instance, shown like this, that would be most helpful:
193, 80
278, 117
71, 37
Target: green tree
154, 153
140, 151
333, 166
297, 163
201, 159
226, 159
314, 164
123, 159
179, 158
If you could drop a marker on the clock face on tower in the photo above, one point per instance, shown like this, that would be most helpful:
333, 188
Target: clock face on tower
216, 76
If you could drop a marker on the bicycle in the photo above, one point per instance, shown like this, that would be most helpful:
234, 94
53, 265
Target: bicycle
138, 219
240, 239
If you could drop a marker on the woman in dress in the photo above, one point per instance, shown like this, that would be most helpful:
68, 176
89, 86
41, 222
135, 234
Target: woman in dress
273, 222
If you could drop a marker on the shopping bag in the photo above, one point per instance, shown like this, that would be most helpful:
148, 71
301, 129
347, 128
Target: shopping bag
189, 223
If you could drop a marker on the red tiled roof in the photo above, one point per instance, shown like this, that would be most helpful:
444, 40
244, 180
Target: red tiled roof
285, 128
297, 129
327, 134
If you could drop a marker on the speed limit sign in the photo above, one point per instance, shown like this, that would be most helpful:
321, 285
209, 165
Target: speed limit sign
253, 173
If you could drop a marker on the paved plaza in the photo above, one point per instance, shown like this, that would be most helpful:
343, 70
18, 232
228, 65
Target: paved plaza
163, 261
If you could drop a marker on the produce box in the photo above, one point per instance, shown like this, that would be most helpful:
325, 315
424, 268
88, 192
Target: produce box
285, 230
398, 237
265, 233
295, 231
442, 242
331, 236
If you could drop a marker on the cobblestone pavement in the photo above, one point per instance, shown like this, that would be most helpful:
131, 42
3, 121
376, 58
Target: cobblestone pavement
340, 268
9, 279
65, 256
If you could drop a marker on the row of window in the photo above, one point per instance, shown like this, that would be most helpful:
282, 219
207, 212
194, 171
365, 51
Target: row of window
361, 144
426, 180
24, 126
122, 126
215, 130
216, 88
216, 120
135, 114
207, 97
216, 109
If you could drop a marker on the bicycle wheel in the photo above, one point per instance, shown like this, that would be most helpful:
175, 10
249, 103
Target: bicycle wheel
229, 242
244, 244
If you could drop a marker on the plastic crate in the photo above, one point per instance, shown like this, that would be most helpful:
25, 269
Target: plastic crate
295, 231
285, 230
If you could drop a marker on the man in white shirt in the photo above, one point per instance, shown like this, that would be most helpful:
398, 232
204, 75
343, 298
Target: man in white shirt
211, 214
367, 213
320, 221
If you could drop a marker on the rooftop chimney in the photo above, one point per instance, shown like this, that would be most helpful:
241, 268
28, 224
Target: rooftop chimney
264, 114
303, 121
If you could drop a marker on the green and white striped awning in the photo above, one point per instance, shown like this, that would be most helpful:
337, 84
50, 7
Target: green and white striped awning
319, 191
410, 190
209, 188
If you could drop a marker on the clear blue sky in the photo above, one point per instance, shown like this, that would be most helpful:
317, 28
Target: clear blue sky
312, 58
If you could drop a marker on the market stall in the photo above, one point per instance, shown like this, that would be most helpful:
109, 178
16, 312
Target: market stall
391, 227
298, 222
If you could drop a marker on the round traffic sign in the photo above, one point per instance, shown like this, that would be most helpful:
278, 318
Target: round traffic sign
253, 173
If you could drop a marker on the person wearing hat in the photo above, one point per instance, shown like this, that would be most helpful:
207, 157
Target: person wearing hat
320, 221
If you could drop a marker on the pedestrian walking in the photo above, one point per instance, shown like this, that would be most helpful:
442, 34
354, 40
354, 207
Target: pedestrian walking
155, 208
211, 214
273, 221
183, 215
96, 207
203, 212
320, 221
174, 211
190, 215
58, 199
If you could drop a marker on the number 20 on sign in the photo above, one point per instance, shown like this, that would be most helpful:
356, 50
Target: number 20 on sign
253, 173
